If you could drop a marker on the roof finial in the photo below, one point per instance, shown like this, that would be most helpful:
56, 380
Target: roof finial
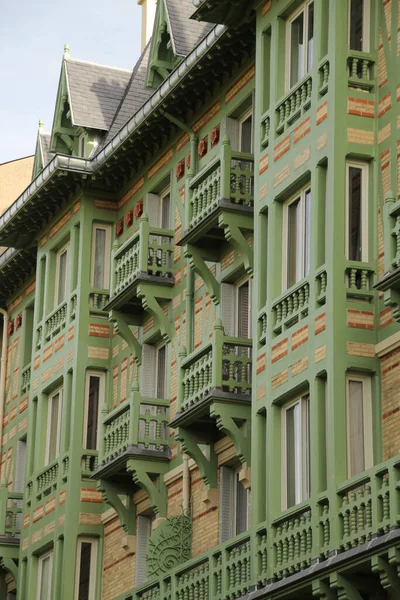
66, 50
41, 125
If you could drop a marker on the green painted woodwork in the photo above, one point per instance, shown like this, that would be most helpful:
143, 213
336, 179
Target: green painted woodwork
169, 545
163, 58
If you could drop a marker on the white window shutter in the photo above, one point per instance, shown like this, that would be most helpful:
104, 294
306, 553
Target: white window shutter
232, 130
228, 293
148, 371
154, 210
143, 533
226, 504
20, 467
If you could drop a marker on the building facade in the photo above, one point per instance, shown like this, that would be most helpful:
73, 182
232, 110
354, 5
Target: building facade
201, 347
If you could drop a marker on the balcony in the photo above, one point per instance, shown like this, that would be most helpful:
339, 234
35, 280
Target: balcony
390, 282
10, 522
136, 429
147, 257
224, 186
294, 104
361, 71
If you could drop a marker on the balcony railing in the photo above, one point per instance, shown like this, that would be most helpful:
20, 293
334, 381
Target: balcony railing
296, 102
225, 363
324, 77
229, 178
10, 512
47, 479
149, 251
26, 379
56, 321
265, 130
359, 280
98, 299
142, 422
291, 307
221, 575
361, 71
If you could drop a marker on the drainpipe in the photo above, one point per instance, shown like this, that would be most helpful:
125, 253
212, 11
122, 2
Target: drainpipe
3, 366
190, 290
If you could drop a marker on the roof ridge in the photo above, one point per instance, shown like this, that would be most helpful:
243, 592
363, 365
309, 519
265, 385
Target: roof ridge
94, 64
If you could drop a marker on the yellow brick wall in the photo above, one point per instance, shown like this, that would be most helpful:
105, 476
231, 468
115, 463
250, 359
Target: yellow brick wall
390, 365
118, 566
205, 520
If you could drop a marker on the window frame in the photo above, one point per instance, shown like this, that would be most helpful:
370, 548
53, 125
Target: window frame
235, 482
41, 559
59, 253
236, 307
366, 33
93, 561
158, 347
303, 8
364, 208
368, 430
163, 194
102, 388
59, 390
107, 254
303, 400
301, 196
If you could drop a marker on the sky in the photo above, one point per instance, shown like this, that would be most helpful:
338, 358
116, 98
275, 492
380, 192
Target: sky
32, 38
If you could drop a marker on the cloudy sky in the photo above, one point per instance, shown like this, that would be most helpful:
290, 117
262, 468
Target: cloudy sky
32, 38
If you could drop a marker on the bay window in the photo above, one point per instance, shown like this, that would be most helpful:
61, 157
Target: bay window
101, 249
54, 416
296, 451
62, 274
357, 213
359, 423
296, 238
300, 43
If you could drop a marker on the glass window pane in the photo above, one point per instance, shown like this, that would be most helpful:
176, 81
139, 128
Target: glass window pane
99, 259
241, 507
307, 216
93, 412
297, 49
355, 208
53, 427
165, 209
291, 466
293, 243
84, 571
356, 24
243, 311
310, 37
161, 372
305, 443
45, 581
62, 276
356, 428
246, 135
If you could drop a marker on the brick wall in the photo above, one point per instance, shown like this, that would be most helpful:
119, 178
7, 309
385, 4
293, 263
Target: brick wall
390, 368
118, 565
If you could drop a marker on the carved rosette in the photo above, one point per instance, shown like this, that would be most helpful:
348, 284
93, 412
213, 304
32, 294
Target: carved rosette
169, 546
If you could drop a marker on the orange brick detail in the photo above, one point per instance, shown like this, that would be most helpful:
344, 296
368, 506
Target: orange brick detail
47, 352
361, 319
266, 8
103, 204
240, 84
131, 193
63, 497
361, 107
302, 130
300, 337
207, 117
38, 513
385, 318
390, 369
280, 379
160, 163
320, 323
322, 112
91, 495
99, 330
384, 104
279, 350
62, 221
261, 363
264, 163
281, 148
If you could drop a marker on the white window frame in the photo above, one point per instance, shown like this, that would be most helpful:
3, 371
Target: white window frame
366, 26
303, 458
61, 251
157, 374
93, 565
367, 419
166, 192
249, 113
42, 558
102, 387
364, 207
234, 501
302, 8
300, 194
237, 288
60, 391
107, 253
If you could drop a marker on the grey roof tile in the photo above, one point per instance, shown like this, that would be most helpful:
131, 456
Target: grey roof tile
44, 141
95, 92
186, 33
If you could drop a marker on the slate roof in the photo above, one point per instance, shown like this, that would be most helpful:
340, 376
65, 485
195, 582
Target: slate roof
95, 92
135, 95
44, 141
186, 33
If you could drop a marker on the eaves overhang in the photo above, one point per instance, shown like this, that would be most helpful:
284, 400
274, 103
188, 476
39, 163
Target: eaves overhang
145, 133
227, 12
15, 267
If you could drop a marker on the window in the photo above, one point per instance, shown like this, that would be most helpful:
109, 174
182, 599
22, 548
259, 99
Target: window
296, 238
359, 424
143, 533
296, 451
85, 585
45, 572
359, 25
161, 371
95, 385
357, 213
101, 249
19, 480
62, 274
158, 208
246, 132
234, 501
54, 416
236, 309
300, 43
